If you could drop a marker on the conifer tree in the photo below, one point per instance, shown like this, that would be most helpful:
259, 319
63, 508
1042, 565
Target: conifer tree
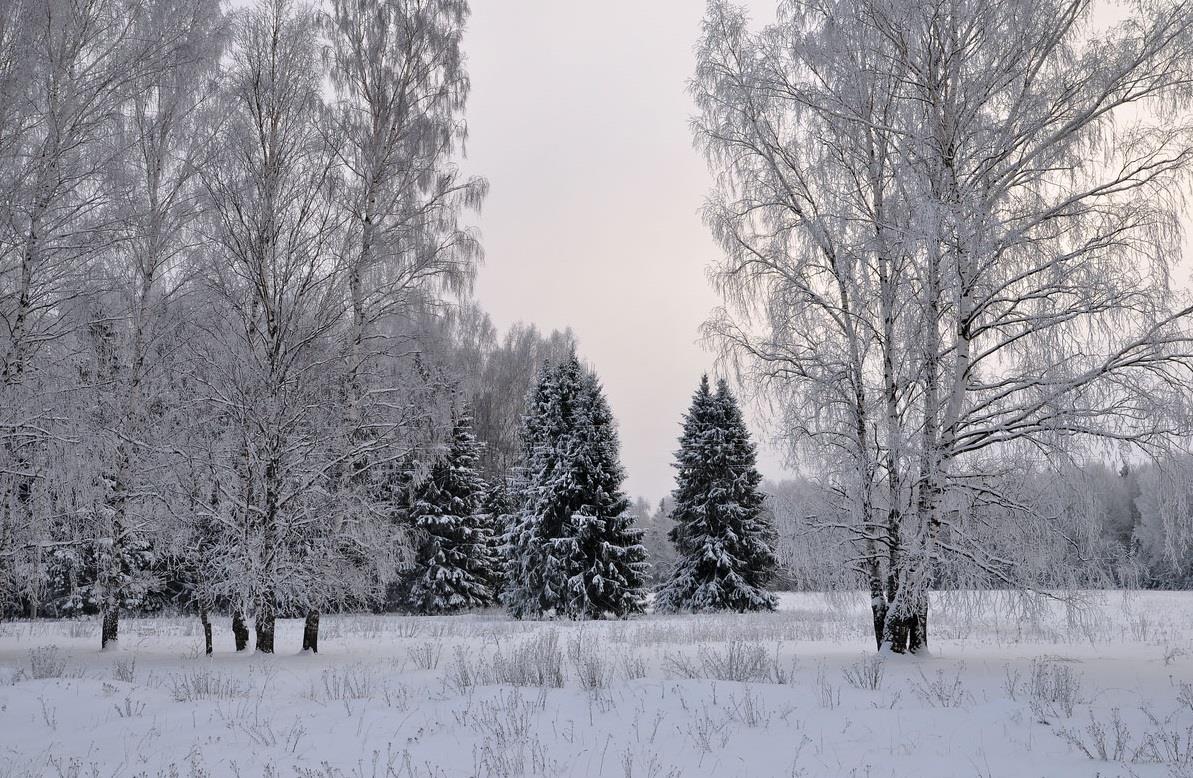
572, 550
722, 535
499, 509
550, 493
454, 563
601, 548
522, 546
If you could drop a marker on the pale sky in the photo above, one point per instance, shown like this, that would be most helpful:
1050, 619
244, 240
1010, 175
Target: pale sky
579, 119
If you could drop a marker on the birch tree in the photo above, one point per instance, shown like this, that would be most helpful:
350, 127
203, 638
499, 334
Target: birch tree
274, 275
955, 223
1165, 533
400, 88
65, 70
165, 135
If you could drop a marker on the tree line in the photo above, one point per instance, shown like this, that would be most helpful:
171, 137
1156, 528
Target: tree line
1077, 526
557, 537
239, 371
227, 243
233, 300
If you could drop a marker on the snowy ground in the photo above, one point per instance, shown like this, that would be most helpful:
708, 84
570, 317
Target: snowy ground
1012, 688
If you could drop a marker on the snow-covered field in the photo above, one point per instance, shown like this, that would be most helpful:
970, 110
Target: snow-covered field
1013, 688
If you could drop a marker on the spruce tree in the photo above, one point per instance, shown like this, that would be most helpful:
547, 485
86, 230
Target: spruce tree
499, 510
454, 562
523, 592
601, 548
722, 535
572, 551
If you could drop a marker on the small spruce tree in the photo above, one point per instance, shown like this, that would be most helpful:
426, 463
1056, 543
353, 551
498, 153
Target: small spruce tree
722, 534
499, 509
454, 561
523, 592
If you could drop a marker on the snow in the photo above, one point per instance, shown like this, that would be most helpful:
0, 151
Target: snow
763, 694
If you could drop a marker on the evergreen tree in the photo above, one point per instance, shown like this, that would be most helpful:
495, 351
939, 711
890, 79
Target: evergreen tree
601, 549
573, 551
524, 551
537, 577
499, 509
722, 534
454, 562
397, 493
73, 573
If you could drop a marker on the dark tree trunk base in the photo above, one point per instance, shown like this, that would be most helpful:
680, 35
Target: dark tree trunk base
879, 612
897, 636
110, 630
265, 625
206, 622
917, 633
878, 608
310, 633
240, 631
909, 634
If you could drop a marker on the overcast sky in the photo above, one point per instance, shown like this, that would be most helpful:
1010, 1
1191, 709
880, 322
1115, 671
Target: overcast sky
579, 119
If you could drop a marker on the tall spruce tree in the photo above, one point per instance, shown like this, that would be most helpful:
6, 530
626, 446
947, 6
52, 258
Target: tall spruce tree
454, 564
722, 534
602, 549
573, 551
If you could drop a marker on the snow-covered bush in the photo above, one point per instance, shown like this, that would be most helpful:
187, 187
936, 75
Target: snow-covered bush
866, 673
206, 685
46, 662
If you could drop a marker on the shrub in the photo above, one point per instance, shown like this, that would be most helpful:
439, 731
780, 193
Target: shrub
865, 674
205, 685
46, 662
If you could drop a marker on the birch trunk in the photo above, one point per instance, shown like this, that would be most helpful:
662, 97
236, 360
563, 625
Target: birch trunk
265, 623
205, 620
